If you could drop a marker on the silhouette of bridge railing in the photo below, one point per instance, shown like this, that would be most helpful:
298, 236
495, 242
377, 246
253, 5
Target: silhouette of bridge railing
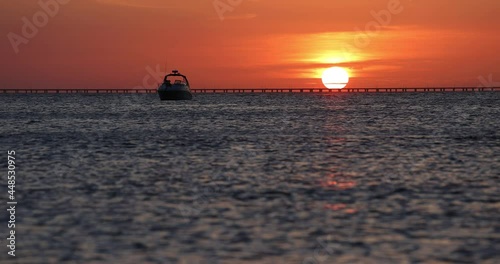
83, 91
345, 90
258, 90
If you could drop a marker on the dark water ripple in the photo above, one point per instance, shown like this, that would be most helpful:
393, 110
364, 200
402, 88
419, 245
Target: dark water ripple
256, 178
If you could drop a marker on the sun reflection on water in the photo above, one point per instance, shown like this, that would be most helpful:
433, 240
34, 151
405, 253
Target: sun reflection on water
339, 183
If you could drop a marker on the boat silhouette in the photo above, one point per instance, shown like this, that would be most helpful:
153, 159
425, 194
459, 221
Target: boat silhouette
175, 86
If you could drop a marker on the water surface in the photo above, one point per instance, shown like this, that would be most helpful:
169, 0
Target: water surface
255, 178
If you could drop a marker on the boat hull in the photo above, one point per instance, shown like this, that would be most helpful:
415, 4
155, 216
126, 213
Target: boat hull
178, 90
175, 95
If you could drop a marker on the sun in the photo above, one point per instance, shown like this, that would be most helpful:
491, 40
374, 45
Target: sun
335, 78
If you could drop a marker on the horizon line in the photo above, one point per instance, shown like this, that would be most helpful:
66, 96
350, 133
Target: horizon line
260, 88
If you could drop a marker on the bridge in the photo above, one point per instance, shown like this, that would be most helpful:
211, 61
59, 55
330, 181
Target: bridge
346, 90
255, 90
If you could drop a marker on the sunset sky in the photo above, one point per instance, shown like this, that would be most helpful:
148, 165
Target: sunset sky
258, 43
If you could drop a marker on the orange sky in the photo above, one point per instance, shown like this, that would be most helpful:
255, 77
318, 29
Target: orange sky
110, 43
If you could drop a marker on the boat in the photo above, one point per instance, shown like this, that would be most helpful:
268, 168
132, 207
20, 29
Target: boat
175, 86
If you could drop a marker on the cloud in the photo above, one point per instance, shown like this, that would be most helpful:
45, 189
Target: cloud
240, 17
138, 3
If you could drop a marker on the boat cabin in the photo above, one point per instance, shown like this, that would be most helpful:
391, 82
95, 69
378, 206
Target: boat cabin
175, 78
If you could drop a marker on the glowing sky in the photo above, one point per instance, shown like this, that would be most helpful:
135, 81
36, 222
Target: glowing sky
110, 43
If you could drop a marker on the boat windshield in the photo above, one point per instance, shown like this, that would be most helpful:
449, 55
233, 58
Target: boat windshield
176, 80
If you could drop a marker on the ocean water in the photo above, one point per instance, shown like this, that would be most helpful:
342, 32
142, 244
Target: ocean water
254, 178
